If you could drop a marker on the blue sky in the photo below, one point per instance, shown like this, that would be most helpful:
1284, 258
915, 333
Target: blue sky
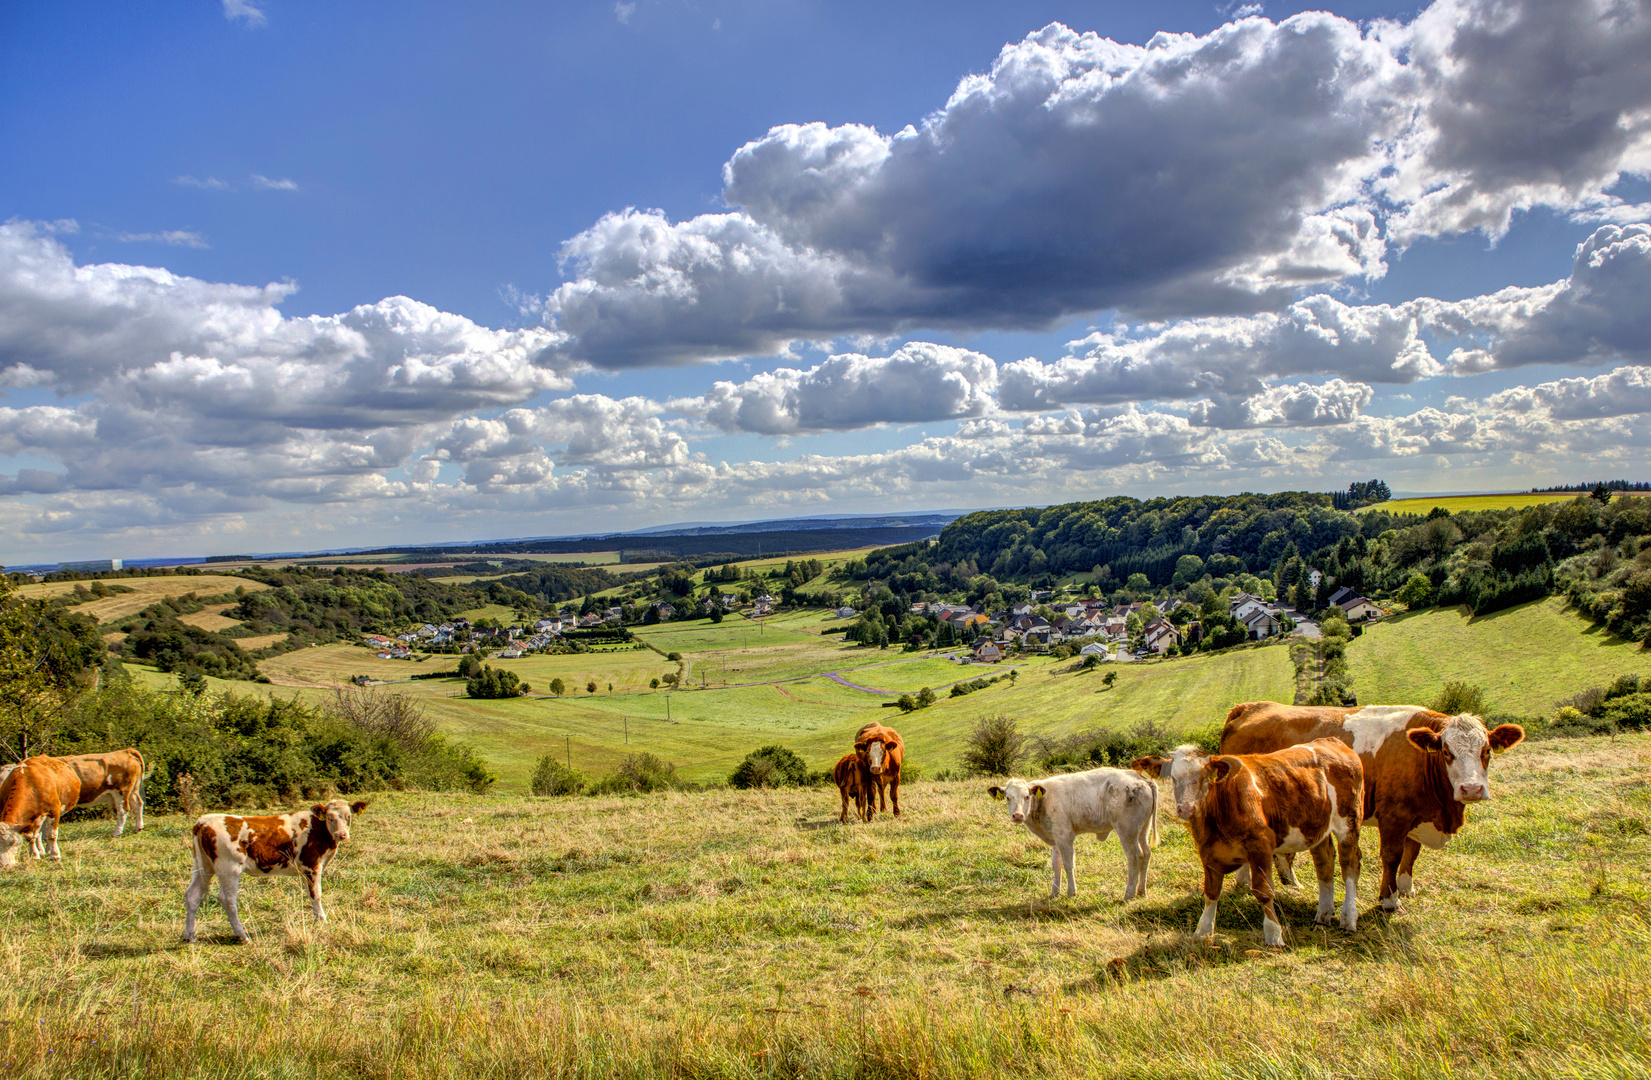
1259, 250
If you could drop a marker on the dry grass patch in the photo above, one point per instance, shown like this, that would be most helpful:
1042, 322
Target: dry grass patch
145, 591
730, 934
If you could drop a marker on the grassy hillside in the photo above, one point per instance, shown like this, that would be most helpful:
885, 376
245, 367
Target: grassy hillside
725, 934
1525, 657
145, 591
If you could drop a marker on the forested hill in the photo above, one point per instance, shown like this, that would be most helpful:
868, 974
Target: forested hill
1596, 548
1129, 536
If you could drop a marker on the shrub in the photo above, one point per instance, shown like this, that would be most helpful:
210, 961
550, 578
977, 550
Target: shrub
1460, 697
994, 746
558, 687
907, 703
638, 774
769, 766
552, 777
925, 698
492, 682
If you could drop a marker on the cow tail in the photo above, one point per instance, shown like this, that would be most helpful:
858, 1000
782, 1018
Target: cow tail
1152, 835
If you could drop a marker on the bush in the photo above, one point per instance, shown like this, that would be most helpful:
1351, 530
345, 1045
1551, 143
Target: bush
994, 746
1119, 747
925, 698
552, 777
769, 766
492, 682
906, 703
1460, 697
253, 752
638, 774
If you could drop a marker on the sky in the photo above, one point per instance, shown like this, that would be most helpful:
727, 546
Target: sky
289, 275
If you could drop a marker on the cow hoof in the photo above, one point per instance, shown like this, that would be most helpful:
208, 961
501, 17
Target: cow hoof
1322, 918
1350, 924
1390, 905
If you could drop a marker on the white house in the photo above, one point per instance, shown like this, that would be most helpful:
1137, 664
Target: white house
1095, 648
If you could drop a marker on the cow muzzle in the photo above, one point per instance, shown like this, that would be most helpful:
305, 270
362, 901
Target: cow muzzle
1472, 793
1184, 811
11, 842
1017, 818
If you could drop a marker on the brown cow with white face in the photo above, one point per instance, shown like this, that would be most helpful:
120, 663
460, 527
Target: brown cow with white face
115, 778
33, 799
882, 750
1421, 768
1245, 809
290, 845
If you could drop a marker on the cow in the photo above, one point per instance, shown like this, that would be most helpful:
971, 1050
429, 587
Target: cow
853, 782
115, 778
1058, 808
33, 799
1421, 768
882, 749
299, 844
1242, 809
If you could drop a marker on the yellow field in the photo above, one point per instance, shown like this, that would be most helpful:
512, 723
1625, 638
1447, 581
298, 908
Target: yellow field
145, 591
211, 619
1458, 503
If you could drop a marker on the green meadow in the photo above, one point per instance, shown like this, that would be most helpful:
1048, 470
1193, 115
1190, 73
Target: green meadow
1526, 658
730, 934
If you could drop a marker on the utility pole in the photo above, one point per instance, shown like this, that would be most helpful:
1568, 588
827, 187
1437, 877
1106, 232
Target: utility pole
667, 704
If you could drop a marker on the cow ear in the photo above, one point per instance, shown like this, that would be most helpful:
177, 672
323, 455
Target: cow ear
318, 810
1424, 739
357, 807
995, 792
1506, 737
1149, 767
1222, 767
1037, 791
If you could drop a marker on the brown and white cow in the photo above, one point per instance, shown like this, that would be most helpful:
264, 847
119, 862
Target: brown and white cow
853, 782
33, 799
299, 844
115, 778
882, 749
1421, 768
1243, 809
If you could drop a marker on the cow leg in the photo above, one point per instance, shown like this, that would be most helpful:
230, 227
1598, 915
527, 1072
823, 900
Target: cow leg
1241, 880
37, 829
51, 823
1285, 866
1350, 864
1212, 893
1324, 862
1393, 842
229, 883
1261, 881
894, 794
118, 801
313, 880
842, 818
1407, 863
137, 804
192, 896
1137, 852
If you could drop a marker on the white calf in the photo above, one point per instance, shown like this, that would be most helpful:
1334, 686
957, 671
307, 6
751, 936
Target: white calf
1057, 808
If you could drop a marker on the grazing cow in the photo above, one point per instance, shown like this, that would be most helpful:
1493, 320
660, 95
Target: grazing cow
1415, 786
1243, 809
1057, 808
882, 749
292, 845
115, 778
853, 782
33, 799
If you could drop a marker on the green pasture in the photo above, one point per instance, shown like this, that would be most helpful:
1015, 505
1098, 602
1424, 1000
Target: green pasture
1526, 658
745, 935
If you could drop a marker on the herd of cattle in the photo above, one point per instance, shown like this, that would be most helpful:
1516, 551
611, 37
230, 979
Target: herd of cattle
1286, 779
